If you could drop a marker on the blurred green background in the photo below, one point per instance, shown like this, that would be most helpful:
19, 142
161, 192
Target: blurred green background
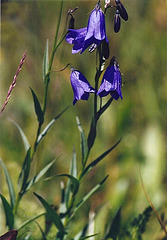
140, 118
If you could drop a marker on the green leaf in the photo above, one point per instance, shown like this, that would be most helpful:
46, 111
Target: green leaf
84, 147
73, 172
41, 230
44, 132
73, 167
23, 177
46, 60
52, 214
87, 196
10, 184
30, 220
8, 212
97, 160
36, 178
92, 134
38, 109
24, 138
115, 226
86, 237
74, 181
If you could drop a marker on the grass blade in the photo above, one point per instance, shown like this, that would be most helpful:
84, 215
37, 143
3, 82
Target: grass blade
84, 147
45, 131
97, 160
46, 60
8, 212
52, 214
37, 107
10, 185
24, 138
36, 178
87, 196
30, 220
23, 177
73, 172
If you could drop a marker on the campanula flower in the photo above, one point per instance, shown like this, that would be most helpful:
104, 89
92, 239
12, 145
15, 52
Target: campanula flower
76, 37
80, 85
111, 82
96, 29
93, 34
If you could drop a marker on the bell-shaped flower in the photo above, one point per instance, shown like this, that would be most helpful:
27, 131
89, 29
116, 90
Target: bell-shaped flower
76, 37
111, 82
96, 29
80, 86
93, 34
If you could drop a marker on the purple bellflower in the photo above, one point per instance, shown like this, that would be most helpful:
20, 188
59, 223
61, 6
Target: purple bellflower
76, 37
93, 34
111, 82
80, 86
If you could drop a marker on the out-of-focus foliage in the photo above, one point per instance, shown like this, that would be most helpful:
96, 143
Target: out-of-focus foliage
140, 118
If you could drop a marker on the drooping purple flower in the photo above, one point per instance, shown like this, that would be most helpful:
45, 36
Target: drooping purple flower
96, 29
111, 82
93, 34
76, 37
80, 86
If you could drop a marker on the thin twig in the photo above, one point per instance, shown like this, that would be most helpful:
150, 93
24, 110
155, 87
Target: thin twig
14, 82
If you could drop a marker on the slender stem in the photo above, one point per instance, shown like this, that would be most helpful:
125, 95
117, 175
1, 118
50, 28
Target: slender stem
16, 204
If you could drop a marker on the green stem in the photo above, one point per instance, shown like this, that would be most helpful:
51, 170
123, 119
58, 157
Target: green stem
16, 204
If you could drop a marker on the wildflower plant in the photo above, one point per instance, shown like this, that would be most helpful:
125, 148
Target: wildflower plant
92, 38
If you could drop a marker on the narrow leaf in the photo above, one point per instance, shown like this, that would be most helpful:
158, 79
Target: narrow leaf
87, 196
30, 220
8, 212
44, 132
11, 235
115, 226
37, 107
73, 172
51, 213
36, 178
74, 181
10, 184
84, 147
89, 236
23, 177
42, 232
82, 233
73, 167
97, 160
24, 138
46, 60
